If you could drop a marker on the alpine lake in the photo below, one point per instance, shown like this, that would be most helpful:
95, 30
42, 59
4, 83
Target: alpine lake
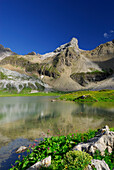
25, 119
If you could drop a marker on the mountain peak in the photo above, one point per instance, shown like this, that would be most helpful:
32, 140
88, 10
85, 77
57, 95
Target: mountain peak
74, 40
72, 43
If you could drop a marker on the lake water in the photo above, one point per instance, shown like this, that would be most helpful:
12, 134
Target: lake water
24, 119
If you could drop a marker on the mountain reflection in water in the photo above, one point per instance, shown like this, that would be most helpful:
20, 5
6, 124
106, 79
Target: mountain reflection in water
31, 117
27, 118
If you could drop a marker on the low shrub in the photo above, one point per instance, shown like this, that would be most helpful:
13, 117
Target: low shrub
76, 160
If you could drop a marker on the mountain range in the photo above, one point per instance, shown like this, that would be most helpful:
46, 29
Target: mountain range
67, 68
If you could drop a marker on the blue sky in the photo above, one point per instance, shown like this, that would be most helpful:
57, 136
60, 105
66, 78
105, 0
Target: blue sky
43, 25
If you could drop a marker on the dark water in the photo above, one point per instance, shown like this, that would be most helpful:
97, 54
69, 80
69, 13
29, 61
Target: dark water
23, 119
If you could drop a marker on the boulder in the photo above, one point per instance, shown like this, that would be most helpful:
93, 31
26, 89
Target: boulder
21, 149
103, 140
43, 163
98, 164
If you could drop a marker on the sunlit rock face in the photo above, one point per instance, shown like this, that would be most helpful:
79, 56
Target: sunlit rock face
14, 80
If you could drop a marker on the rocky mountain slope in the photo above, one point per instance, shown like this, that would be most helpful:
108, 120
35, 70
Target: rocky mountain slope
67, 68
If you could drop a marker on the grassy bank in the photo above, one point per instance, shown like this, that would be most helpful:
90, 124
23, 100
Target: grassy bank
27, 92
78, 96
58, 147
89, 96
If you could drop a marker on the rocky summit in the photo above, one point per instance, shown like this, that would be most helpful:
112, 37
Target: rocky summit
67, 68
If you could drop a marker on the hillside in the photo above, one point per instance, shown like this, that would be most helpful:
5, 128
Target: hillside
67, 68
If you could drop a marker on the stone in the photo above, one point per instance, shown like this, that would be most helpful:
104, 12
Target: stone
103, 140
98, 164
42, 76
43, 163
21, 149
53, 100
34, 91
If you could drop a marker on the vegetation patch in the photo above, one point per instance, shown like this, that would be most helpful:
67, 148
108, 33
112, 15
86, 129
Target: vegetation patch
77, 160
3, 76
90, 96
49, 71
30, 67
26, 92
85, 98
59, 147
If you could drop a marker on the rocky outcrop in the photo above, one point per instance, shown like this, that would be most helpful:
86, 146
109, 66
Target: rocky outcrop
103, 49
73, 43
84, 78
43, 163
4, 52
48, 71
4, 49
12, 80
102, 141
98, 164
65, 58
31, 53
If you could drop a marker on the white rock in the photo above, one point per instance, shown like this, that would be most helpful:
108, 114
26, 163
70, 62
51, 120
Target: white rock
42, 76
98, 164
45, 162
101, 142
34, 91
21, 149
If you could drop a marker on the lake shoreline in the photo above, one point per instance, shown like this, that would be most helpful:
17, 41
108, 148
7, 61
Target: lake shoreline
6, 94
87, 96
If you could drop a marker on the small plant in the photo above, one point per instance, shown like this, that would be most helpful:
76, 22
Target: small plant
76, 160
